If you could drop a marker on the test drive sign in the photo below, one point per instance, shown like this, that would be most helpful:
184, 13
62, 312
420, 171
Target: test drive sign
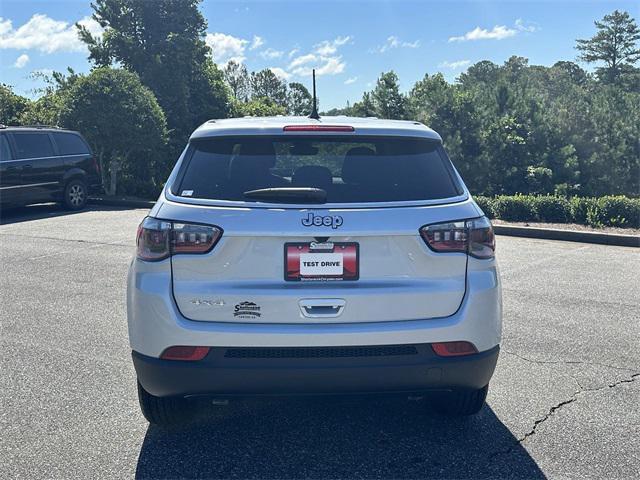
321, 261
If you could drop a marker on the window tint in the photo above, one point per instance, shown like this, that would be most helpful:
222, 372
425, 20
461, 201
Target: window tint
349, 169
33, 145
5, 153
69, 143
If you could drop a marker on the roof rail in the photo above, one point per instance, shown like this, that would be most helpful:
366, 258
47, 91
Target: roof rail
36, 126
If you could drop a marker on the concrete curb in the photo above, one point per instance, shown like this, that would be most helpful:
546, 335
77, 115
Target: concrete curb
121, 202
569, 235
513, 231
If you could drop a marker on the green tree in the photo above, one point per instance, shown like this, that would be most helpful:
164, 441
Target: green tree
121, 120
11, 105
163, 41
615, 44
299, 100
237, 77
365, 107
260, 107
266, 84
387, 99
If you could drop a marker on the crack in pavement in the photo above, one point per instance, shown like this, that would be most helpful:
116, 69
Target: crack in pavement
557, 407
92, 242
566, 362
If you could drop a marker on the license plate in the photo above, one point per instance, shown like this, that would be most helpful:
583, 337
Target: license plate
321, 261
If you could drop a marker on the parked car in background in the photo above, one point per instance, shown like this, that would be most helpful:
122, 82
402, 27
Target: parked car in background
289, 255
43, 164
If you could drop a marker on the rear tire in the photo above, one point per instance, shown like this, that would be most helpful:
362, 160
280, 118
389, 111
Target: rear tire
163, 411
75, 194
460, 403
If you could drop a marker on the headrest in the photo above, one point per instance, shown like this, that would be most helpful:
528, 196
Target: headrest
357, 164
253, 160
312, 176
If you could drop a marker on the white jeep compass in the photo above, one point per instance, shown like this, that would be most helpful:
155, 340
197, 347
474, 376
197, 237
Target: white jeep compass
292, 255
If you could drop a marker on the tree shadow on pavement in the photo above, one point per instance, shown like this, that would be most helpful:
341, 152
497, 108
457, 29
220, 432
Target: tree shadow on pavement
9, 215
334, 438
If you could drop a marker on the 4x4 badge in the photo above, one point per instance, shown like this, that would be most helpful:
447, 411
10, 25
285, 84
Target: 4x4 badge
333, 221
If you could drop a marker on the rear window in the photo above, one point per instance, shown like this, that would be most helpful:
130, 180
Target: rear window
33, 145
70, 144
5, 153
350, 169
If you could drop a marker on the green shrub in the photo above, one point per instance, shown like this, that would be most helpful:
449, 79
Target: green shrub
550, 208
614, 211
486, 204
517, 208
578, 208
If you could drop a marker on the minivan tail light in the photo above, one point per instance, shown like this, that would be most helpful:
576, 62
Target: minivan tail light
474, 237
318, 128
159, 239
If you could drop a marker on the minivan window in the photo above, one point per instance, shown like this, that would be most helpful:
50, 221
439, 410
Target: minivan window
5, 152
70, 143
33, 145
350, 169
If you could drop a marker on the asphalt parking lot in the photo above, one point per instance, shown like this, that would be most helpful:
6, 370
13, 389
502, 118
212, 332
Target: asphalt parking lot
564, 402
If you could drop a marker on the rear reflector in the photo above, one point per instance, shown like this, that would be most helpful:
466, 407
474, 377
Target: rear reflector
454, 349
185, 353
318, 128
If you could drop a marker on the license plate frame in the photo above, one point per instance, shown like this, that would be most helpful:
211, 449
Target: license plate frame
350, 260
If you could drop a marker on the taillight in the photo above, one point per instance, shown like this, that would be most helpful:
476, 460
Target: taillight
96, 166
474, 237
318, 128
185, 353
454, 349
159, 239
482, 240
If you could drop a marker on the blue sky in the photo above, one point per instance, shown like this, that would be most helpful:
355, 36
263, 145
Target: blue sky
349, 43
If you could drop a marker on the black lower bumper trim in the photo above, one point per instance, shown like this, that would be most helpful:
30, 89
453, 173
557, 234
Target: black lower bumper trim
220, 374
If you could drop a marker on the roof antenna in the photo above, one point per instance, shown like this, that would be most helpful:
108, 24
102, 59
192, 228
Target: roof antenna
314, 109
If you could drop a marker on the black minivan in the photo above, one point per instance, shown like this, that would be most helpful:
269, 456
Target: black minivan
43, 164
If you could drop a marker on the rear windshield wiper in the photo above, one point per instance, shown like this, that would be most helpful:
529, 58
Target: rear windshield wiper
289, 195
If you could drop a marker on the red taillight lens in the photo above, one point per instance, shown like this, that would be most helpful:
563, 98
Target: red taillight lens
446, 237
153, 239
190, 238
454, 349
482, 240
185, 353
158, 239
318, 128
474, 237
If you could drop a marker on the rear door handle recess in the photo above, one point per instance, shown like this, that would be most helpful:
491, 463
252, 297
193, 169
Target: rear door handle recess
321, 307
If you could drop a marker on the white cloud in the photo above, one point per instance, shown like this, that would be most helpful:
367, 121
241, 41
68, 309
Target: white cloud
257, 42
454, 65
21, 61
330, 47
280, 73
395, 42
304, 64
324, 58
351, 80
527, 27
225, 48
270, 53
499, 32
302, 59
45, 34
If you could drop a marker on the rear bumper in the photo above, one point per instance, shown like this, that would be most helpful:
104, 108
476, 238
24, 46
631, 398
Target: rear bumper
308, 371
